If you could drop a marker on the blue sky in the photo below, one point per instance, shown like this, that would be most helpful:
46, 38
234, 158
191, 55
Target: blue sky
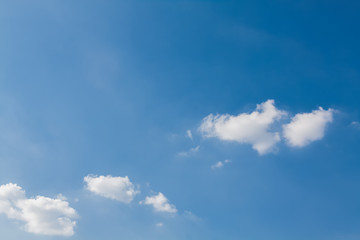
98, 100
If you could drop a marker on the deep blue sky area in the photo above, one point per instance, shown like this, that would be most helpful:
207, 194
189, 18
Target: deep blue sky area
115, 87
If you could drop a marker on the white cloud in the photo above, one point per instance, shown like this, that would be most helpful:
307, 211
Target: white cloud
305, 128
220, 164
191, 151
251, 128
189, 134
116, 188
160, 203
41, 215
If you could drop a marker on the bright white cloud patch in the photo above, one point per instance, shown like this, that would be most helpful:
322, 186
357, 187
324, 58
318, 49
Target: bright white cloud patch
251, 128
305, 128
41, 215
117, 188
160, 203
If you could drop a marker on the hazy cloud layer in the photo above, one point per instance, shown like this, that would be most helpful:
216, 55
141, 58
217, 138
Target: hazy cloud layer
41, 215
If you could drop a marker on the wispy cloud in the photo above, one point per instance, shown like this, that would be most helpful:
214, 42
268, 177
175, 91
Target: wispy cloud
189, 152
191, 216
355, 124
159, 224
220, 164
189, 134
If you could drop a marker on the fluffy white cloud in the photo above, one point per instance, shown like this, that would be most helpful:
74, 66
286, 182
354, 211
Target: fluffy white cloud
160, 203
305, 128
117, 188
41, 215
252, 128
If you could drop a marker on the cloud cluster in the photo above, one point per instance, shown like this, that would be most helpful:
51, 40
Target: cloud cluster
116, 188
255, 128
41, 215
53, 216
160, 203
122, 189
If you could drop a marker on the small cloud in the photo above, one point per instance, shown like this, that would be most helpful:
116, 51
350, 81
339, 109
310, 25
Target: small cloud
220, 164
41, 215
251, 128
191, 151
196, 149
189, 134
160, 203
116, 188
159, 224
305, 128
217, 165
